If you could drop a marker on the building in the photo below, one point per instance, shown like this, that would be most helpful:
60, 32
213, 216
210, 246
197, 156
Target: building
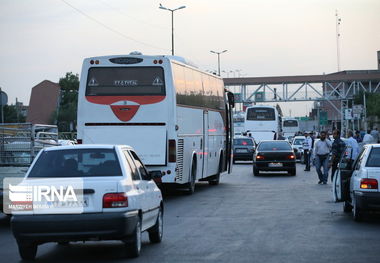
43, 103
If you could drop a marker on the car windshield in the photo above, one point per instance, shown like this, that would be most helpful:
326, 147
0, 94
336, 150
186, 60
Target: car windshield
298, 141
274, 146
243, 142
76, 163
374, 158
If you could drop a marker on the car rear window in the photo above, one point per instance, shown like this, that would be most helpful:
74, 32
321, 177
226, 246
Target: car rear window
275, 146
243, 142
77, 163
298, 141
374, 158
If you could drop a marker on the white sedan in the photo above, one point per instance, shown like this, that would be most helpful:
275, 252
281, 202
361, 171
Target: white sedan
357, 185
112, 197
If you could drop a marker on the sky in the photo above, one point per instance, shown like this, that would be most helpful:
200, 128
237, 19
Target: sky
44, 39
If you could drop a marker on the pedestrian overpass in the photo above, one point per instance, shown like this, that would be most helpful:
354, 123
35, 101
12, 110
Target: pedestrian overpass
338, 87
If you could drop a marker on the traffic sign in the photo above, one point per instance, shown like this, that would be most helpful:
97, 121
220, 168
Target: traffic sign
348, 114
260, 96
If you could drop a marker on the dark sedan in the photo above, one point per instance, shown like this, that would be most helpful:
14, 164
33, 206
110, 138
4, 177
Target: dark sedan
243, 149
274, 156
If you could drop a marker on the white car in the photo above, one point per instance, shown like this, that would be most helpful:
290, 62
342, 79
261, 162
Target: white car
119, 201
357, 185
297, 146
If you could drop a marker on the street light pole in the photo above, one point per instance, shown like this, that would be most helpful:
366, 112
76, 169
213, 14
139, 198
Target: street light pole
218, 53
172, 11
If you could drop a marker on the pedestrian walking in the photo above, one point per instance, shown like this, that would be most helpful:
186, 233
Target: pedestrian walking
337, 149
375, 135
320, 158
368, 139
357, 137
307, 146
352, 148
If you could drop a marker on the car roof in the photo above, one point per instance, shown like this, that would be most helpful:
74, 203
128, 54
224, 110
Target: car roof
86, 146
242, 137
299, 137
274, 141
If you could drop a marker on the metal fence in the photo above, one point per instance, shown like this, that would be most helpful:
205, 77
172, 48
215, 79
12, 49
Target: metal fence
20, 142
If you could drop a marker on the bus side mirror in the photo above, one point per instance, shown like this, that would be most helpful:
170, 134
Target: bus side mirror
231, 99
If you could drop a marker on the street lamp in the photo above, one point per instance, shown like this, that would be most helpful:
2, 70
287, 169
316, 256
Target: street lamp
218, 53
172, 10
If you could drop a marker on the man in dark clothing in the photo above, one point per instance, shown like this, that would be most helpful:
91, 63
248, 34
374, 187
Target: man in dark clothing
357, 137
338, 148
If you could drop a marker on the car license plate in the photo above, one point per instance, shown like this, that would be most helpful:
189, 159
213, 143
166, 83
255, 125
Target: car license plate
82, 202
241, 150
275, 164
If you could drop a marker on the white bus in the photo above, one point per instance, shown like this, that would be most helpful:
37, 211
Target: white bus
175, 116
262, 122
290, 127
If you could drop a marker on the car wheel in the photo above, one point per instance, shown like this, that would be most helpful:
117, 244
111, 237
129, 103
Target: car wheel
133, 245
293, 172
27, 250
256, 171
191, 184
156, 232
347, 207
357, 214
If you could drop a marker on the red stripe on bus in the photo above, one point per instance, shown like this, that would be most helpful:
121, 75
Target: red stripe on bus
107, 100
125, 124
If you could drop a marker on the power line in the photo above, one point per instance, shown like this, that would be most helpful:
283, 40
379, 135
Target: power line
131, 17
110, 28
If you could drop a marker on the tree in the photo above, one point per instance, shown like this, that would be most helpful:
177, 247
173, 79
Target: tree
67, 112
372, 102
12, 115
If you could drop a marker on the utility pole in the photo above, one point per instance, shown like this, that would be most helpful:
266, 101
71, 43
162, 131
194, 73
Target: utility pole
218, 53
172, 11
338, 20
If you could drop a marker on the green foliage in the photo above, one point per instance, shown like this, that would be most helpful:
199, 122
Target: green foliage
372, 102
11, 115
67, 113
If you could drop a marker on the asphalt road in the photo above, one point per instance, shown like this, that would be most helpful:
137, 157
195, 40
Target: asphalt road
270, 218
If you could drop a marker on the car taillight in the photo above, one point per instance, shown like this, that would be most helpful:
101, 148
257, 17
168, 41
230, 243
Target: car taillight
291, 157
368, 184
259, 157
172, 151
115, 200
79, 141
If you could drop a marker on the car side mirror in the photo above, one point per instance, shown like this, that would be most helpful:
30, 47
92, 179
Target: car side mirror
231, 99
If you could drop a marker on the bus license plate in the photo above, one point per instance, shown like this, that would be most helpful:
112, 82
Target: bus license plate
275, 164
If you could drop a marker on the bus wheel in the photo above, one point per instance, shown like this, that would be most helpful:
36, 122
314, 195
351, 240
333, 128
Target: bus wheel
191, 184
216, 179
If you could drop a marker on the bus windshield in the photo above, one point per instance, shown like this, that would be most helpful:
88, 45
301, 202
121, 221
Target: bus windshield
290, 123
125, 81
261, 114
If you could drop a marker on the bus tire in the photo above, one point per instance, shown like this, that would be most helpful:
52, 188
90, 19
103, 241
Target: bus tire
216, 179
191, 184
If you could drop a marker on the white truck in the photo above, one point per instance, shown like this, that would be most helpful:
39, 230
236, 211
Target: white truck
19, 144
